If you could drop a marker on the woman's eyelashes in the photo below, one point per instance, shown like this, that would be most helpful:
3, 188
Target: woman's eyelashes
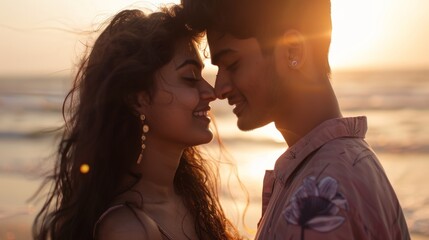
191, 79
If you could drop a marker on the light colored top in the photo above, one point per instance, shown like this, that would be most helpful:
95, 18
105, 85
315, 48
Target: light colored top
330, 185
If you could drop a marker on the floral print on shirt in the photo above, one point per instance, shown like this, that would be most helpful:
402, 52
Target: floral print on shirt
315, 205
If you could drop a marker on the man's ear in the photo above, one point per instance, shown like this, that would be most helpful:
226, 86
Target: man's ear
290, 52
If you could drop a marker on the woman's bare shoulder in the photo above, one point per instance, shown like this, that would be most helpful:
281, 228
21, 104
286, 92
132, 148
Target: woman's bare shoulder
126, 223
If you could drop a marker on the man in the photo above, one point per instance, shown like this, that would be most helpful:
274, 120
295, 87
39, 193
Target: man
273, 66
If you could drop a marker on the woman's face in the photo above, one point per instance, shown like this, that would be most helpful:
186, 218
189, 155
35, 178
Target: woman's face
177, 113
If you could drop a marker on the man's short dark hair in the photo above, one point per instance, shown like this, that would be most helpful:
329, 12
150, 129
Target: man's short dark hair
266, 20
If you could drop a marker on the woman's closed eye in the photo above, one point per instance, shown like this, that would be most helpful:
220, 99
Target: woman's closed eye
191, 80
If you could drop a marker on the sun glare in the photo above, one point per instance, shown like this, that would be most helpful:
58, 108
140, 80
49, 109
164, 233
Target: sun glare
357, 25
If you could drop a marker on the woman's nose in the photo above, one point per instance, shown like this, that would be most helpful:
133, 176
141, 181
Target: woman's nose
207, 92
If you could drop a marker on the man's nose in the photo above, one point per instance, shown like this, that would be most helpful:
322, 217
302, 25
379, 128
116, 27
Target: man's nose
222, 86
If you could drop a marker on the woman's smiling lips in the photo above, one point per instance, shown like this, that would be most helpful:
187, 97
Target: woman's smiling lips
202, 113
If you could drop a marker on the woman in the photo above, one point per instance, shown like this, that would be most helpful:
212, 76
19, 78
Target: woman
128, 167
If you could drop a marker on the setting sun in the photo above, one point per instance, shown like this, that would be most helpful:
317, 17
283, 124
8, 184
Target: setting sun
379, 34
357, 27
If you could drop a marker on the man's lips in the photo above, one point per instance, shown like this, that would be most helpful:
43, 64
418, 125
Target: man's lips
239, 105
234, 101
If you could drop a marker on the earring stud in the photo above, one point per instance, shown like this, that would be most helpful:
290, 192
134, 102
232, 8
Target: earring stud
293, 63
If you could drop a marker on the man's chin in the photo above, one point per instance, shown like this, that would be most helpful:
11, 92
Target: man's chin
247, 124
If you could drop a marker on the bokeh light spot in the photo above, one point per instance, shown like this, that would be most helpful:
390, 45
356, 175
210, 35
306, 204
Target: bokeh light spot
84, 168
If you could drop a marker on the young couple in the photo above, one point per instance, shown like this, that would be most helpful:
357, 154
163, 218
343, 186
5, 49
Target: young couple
139, 107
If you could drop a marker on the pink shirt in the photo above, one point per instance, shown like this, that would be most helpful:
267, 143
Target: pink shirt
330, 185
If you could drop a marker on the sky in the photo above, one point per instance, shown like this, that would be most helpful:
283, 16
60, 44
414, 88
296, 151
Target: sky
48, 36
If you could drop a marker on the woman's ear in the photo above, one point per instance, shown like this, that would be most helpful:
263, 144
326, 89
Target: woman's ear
141, 102
290, 52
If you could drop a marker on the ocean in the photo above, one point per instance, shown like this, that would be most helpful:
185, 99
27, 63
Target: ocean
395, 102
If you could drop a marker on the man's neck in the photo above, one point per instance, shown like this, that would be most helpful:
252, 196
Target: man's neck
311, 110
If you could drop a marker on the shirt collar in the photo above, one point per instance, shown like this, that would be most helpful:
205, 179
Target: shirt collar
354, 127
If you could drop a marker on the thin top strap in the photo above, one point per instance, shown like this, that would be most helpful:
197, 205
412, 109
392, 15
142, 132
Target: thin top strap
164, 233
110, 209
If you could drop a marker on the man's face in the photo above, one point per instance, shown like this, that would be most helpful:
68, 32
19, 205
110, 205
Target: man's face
245, 77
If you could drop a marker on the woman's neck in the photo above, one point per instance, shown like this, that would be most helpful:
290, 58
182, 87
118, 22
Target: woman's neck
158, 169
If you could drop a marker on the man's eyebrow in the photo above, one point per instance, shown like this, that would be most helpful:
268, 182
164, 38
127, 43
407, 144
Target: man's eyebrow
219, 55
192, 62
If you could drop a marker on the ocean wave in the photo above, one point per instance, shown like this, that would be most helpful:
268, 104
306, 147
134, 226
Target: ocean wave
18, 102
384, 102
235, 141
388, 90
28, 168
16, 135
379, 147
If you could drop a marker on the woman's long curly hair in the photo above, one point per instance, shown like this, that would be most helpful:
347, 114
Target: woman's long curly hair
102, 130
